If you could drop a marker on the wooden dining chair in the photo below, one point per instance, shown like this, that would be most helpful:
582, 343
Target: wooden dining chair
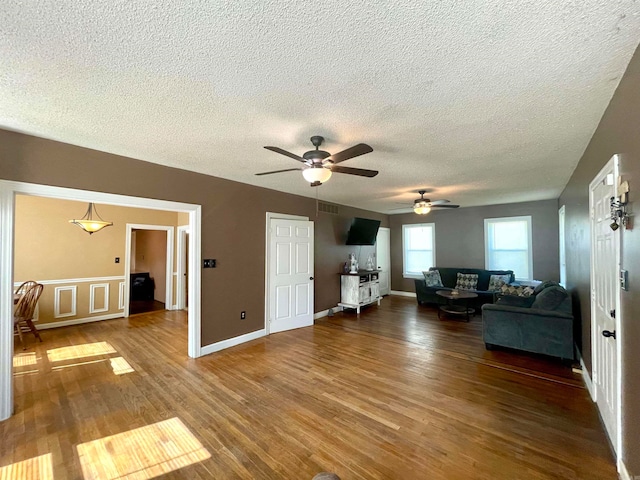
23, 314
25, 286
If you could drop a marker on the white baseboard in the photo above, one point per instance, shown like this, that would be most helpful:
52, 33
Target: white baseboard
403, 294
324, 313
623, 472
587, 379
232, 342
78, 321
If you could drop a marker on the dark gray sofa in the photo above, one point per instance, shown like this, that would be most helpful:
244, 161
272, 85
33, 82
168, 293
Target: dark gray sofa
542, 323
449, 278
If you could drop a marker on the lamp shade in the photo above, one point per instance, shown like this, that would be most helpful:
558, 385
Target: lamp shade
316, 174
421, 208
90, 224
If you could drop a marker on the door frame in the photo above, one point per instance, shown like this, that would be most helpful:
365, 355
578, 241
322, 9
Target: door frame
181, 270
267, 300
8, 191
168, 297
562, 228
388, 230
612, 164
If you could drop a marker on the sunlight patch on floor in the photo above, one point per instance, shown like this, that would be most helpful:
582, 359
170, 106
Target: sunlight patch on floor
80, 351
120, 366
36, 468
142, 453
24, 359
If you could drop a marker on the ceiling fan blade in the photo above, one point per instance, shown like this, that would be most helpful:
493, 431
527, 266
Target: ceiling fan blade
280, 171
355, 151
288, 154
355, 171
438, 202
445, 206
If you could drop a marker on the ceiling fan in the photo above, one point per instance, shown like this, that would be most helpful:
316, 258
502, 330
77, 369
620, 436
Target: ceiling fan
319, 165
422, 205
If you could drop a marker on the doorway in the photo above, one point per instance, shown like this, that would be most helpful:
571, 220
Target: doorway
605, 301
8, 191
149, 263
182, 283
383, 257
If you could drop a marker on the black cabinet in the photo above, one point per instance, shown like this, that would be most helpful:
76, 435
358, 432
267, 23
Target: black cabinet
141, 287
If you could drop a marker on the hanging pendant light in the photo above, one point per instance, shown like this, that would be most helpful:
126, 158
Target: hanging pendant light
88, 223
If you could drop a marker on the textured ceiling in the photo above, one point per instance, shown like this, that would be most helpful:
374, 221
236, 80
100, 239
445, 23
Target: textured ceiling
480, 102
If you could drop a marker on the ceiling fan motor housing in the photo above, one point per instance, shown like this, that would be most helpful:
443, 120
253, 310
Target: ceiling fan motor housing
316, 156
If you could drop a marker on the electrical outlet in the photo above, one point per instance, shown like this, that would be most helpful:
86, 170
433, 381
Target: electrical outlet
209, 263
243, 315
117, 259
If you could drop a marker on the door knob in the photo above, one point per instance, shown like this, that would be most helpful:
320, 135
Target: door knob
310, 278
607, 333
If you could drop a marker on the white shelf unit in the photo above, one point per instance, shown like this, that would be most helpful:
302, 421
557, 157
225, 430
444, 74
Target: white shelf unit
359, 289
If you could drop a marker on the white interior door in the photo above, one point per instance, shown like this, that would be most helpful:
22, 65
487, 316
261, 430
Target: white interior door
290, 274
604, 293
383, 257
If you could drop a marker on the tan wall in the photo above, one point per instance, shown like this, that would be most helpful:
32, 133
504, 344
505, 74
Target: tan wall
617, 133
49, 248
151, 256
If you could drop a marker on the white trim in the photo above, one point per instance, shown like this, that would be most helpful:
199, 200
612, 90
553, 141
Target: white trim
92, 297
78, 321
522, 218
562, 223
267, 232
8, 190
612, 165
405, 227
623, 472
7, 203
168, 297
181, 267
56, 301
587, 379
65, 281
232, 342
324, 313
121, 295
403, 294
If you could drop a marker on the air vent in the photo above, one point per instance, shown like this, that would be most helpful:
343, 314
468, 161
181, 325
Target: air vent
327, 208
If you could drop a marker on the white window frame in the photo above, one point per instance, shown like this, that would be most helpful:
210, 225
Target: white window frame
406, 274
526, 218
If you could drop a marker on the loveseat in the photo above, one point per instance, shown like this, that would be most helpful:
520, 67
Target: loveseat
449, 278
541, 323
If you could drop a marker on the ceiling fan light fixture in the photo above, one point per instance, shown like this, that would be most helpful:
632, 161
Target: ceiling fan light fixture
316, 174
421, 208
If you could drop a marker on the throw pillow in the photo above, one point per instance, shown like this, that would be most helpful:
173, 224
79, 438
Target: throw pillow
550, 298
519, 290
467, 281
432, 278
497, 281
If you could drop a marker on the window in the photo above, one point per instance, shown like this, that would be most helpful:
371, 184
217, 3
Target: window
418, 249
507, 243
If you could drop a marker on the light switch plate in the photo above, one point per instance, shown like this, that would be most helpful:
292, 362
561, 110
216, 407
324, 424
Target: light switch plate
624, 280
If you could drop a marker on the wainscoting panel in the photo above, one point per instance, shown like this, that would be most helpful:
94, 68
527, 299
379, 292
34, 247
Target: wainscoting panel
65, 303
121, 296
102, 300
77, 300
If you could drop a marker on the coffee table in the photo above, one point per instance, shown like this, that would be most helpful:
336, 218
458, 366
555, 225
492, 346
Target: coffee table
452, 309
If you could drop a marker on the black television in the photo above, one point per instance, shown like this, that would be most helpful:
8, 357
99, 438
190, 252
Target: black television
363, 231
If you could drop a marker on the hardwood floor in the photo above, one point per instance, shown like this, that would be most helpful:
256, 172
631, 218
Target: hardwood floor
392, 394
